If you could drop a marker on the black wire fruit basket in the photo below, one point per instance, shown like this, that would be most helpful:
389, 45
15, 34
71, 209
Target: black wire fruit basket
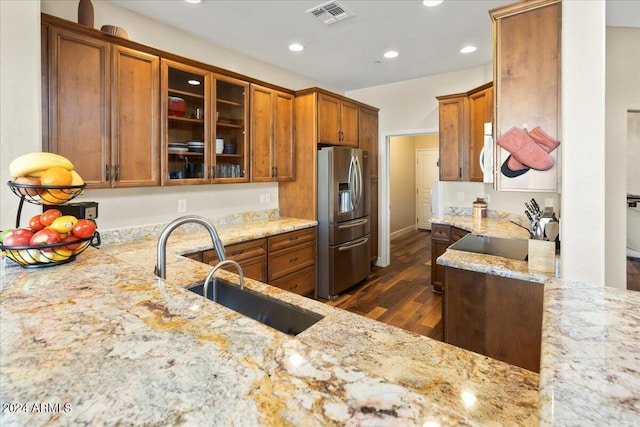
47, 255
35, 256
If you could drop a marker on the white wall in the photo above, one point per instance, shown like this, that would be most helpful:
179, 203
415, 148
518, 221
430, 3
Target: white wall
583, 141
622, 94
21, 123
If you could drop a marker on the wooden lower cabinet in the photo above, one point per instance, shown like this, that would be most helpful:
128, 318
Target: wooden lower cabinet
442, 236
496, 316
292, 261
251, 255
287, 261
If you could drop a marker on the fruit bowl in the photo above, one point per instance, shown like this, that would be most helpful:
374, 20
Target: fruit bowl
46, 194
47, 255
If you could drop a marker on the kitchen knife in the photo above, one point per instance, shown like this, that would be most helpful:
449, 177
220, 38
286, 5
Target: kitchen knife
528, 215
530, 209
536, 206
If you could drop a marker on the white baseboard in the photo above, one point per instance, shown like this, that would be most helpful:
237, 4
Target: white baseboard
402, 232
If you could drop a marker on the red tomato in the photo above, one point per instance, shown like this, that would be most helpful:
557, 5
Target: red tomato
72, 246
35, 224
84, 228
48, 216
46, 236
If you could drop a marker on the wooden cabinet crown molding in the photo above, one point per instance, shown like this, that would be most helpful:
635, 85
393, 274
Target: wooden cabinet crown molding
318, 91
55, 21
515, 8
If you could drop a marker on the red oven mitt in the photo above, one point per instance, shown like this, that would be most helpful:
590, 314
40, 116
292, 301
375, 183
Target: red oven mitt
524, 151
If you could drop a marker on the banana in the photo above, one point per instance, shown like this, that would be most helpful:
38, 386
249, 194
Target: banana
77, 179
33, 164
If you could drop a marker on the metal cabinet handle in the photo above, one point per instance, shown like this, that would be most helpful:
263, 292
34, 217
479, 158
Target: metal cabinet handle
107, 172
117, 173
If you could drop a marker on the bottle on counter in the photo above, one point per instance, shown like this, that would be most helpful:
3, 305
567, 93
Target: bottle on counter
479, 209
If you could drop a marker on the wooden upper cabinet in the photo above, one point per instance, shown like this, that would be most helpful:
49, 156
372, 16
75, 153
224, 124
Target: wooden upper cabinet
103, 110
272, 148
368, 136
337, 121
79, 100
135, 118
527, 82
480, 112
453, 119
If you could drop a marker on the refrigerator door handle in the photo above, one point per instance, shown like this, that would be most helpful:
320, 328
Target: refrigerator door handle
353, 224
358, 183
353, 245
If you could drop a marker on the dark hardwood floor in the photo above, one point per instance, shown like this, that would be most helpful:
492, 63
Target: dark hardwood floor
400, 294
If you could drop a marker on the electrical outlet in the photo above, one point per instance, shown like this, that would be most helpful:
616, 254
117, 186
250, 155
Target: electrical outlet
460, 196
487, 198
267, 198
182, 205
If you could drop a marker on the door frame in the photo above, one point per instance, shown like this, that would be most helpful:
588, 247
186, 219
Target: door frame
384, 239
431, 150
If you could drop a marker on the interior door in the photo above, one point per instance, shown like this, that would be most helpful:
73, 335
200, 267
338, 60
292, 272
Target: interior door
426, 174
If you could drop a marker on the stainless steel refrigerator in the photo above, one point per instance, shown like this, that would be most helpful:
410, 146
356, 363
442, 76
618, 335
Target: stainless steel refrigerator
344, 245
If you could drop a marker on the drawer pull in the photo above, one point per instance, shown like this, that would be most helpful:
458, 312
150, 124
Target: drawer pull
291, 239
237, 252
293, 259
294, 286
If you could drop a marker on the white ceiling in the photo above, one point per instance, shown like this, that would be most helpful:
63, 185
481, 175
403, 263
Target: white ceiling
348, 55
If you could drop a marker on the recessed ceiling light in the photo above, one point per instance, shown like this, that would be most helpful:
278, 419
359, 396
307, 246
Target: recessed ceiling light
296, 47
468, 49
193, 1
194, 82
391, 54
431, 3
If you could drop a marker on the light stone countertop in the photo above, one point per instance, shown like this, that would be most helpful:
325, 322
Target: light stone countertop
590, 361
102, 341
482, 263
590, 350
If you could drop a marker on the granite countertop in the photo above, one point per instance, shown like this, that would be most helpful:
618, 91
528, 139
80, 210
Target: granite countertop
590, 361
482, 263
590, 349
101, 340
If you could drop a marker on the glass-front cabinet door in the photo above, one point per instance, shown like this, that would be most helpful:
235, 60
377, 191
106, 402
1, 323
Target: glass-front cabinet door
204, 126
186, 113
231, 153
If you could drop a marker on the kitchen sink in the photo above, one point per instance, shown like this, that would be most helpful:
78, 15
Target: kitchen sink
276, 314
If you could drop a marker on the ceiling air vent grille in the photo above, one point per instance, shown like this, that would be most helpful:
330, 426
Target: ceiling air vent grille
330, 12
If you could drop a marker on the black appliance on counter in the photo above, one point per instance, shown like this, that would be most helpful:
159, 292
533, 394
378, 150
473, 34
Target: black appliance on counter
344, 245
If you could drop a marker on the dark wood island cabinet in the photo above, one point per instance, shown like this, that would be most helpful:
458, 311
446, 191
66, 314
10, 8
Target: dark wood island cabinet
496, 316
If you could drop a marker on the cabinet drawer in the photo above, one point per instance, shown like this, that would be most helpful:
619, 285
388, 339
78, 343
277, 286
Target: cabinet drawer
286, 240
292, 259
238, 251
255, 268
457, 234
302, 282
440, 232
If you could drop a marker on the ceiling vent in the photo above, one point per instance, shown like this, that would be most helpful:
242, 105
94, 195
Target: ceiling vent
330, 12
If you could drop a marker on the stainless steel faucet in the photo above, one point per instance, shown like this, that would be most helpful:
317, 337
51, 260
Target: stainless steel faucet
161, 263
214, 269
